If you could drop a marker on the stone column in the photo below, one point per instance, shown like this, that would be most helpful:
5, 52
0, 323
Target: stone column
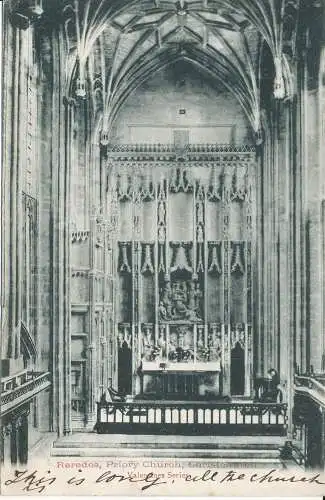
7, 110
14, 442
93, 331
92, 369
64, 195
266, 251
23, 439
270, 240
13, 137
287, 247
322, 168
258, 282
21, 166
300, 230
314, 192
265, 275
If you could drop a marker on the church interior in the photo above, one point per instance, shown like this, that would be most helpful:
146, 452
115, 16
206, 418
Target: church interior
163, 222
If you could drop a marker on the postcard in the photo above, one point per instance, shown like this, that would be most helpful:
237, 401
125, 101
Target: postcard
163, 248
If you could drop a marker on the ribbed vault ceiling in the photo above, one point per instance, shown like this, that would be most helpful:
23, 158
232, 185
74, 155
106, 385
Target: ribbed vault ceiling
115, 46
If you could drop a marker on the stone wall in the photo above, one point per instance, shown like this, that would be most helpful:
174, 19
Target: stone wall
179, 98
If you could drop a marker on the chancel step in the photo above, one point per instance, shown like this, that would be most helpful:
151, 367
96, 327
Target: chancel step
243, 451
80, 439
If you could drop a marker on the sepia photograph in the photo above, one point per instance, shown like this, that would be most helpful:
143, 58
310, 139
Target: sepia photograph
163, 247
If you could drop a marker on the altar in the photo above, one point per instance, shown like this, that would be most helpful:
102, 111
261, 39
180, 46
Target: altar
180, 380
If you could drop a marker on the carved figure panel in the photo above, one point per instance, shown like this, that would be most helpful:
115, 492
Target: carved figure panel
181, 344
181, 300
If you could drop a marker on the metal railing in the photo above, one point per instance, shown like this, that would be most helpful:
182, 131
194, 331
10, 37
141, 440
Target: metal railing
188, 417
309, 405
313, 385
13, 381
22, 387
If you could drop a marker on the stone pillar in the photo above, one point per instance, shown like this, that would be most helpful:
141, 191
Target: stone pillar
2, 444
314, 193
94, 322
7, 110
266, 275
6, 443
64, 195
62, 122
287, 249
14, 443
23, 439
322, 168
109, 292
91, 415
266, 252
258, 280
15, 194
300, 230
21, 166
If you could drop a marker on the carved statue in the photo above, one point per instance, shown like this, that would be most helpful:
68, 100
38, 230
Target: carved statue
163, 311
180, 348
161, 343
200, 236
200, 213
155, 353
167, 301
192, 301
161, 234
161, 213
179, 300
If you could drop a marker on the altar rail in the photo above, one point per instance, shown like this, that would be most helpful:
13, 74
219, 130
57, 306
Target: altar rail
196, 417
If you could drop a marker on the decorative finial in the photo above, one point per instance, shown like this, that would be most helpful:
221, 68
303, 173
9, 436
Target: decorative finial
104, 139
259, 137
81, 88
279, 90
